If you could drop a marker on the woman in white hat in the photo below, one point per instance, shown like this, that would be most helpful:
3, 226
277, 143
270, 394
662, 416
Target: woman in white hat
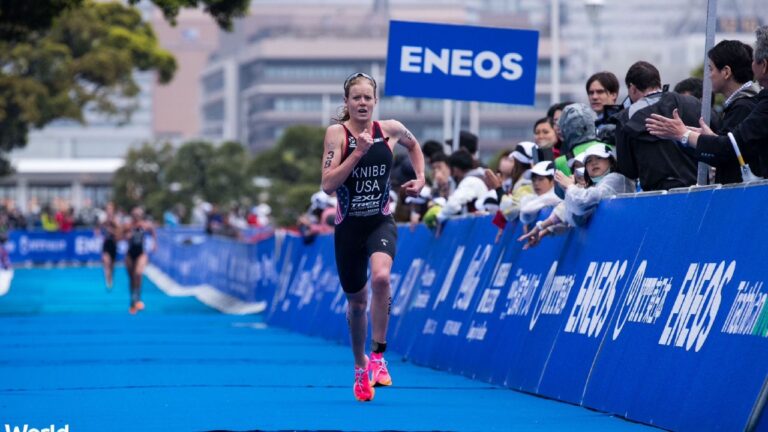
542, 177
504, 198
580, 202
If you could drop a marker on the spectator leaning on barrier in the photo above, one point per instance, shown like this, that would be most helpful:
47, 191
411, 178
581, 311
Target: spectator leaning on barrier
47, 219
319, 218
602, 181
659, 164
577, 167
441, 187
469, 188
751, 133
542, 177
499, 183
524, 157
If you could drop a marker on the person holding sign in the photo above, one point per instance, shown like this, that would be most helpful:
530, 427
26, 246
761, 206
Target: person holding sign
357, 162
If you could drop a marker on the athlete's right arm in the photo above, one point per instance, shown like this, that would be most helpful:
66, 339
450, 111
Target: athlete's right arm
334, 171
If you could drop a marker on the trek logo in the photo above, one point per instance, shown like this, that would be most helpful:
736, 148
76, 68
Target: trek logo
459, 62
26, 428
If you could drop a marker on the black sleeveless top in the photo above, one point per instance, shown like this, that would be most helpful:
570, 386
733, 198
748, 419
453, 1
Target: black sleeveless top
136, 240
365, 193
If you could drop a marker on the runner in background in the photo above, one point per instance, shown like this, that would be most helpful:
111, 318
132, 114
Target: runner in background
136, 258
109, 230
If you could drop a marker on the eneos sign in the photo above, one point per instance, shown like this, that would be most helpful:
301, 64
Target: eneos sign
462, 62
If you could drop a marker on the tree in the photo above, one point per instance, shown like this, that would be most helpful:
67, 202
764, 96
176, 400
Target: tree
86, 59
227, 174
60, 57
223, 11
189, 169
20, 18
294, 168
160, 177
141, 181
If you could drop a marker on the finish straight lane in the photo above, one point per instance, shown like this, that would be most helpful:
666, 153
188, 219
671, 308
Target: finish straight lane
72, 355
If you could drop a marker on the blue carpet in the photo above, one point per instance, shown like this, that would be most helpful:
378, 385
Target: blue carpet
70, 354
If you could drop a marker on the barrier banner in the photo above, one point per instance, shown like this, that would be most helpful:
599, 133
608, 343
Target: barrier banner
688, 334
245, 271
44, 246
656, 310
178, 255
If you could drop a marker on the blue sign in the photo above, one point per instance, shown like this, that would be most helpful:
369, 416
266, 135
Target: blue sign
462, 62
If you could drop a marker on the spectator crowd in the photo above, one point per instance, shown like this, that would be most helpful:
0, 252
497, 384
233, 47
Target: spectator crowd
580, 154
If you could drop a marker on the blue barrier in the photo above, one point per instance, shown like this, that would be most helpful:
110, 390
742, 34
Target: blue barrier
44, 246
246, 271
655, 311
636, 314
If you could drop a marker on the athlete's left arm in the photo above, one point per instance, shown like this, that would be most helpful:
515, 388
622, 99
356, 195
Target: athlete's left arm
153, 231
395, 130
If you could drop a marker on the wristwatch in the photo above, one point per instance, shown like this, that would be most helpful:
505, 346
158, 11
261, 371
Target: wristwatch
684, 139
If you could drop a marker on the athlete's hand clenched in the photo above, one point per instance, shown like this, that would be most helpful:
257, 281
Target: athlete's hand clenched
364, 142
413, 187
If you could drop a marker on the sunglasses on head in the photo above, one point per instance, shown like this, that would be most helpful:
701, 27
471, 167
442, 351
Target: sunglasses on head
358, 75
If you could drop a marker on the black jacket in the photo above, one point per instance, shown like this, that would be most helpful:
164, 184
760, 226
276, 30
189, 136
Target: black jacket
751, 135
659, 163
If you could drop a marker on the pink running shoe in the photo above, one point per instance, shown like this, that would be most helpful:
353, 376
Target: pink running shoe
363, 389
378, 366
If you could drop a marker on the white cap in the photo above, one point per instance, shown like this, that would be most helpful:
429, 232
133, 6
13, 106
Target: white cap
525, 152
543, 168
262, 209
602, 151
320, 200
578, 158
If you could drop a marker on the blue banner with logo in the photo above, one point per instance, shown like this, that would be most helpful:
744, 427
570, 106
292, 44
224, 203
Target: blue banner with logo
245, 271
43, 246
471, 63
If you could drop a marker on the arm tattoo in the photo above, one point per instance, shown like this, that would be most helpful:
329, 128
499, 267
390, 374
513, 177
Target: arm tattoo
329, 159
407, 134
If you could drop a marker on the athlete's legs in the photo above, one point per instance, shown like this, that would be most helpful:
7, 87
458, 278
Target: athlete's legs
138, 273
358, 323
130, 263
381, 267
109, 267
